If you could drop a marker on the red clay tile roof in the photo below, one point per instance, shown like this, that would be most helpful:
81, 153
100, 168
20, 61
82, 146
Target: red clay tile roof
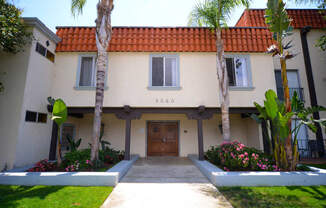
300, 17
165, 39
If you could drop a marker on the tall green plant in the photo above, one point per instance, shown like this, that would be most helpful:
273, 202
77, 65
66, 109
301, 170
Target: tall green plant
276, 117
214, 14
280, 25
59, 115
73, 144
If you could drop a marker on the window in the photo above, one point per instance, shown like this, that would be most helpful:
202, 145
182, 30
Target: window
68, 130
238, 71
40, 49
44, 52
293, 82
164, 71
32, 116
87, 72
42, 117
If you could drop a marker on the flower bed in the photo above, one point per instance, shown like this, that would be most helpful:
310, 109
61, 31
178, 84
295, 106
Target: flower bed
235, 156
79, 160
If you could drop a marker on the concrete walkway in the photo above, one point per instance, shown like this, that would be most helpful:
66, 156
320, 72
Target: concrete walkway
165, 182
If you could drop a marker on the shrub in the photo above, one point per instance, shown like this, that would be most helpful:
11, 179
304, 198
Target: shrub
79, 155
43, 166
235, 156
111, 156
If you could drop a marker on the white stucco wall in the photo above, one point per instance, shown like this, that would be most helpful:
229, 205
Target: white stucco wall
13, 69
114, 131
128, 80
33, 142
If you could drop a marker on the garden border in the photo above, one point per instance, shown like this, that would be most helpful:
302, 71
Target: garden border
109, 178
219, 177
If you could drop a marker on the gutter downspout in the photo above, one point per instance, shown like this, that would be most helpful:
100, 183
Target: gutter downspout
311, 85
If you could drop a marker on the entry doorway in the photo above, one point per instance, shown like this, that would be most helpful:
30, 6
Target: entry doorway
162, 138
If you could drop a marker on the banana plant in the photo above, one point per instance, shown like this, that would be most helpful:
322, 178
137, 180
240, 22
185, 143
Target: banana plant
73, 145
59, 115
276, 117
279, 24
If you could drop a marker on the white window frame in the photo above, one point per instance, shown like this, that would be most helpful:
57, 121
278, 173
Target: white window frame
164, 56
93, 87
249, 74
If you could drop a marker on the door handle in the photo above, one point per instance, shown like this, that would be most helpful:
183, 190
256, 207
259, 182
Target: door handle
164, 140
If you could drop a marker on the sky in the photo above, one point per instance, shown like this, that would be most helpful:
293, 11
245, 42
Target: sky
126, 12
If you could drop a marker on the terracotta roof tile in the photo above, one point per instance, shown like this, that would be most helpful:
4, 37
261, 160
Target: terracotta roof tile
166, 39
300, 17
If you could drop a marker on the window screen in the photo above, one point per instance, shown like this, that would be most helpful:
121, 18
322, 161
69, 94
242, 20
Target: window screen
30, 116
237, 71
87, 72
164, 71
231, 71
157, 71
40, 49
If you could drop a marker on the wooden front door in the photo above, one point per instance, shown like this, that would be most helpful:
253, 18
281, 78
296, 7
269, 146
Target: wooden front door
162, 139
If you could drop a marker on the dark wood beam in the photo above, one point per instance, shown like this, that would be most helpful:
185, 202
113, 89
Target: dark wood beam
54, 138
118, 110
127, 139
200, 139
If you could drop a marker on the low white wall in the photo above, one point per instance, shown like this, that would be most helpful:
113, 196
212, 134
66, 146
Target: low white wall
219, 177
109, 178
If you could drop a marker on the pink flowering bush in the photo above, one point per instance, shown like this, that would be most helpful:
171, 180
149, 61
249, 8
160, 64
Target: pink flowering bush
235, 156
43, 166
79, 165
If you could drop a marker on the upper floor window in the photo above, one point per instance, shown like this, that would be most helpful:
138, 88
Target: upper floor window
44, 52
86, 75
293, 83
238, 69
164, 71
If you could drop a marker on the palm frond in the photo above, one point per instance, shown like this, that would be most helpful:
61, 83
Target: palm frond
77, 6
214, 13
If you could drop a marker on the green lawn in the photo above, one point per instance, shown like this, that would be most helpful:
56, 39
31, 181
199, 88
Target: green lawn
52, 196
280, 197
322, 166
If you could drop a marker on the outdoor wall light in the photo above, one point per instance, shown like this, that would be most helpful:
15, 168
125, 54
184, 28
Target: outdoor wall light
47, 43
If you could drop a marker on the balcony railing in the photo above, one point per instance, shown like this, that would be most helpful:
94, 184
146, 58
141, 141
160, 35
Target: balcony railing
280, 93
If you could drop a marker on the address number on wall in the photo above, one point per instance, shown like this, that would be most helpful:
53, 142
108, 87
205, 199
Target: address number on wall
164, 100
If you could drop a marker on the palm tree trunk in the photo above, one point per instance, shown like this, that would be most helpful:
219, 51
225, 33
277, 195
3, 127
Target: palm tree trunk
223, 86
103, 37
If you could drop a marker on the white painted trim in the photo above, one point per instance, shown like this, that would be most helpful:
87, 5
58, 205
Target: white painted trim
109, 178
219, 177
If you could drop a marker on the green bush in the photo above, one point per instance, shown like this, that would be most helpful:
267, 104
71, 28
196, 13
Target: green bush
111, 156
235, 156
79, 155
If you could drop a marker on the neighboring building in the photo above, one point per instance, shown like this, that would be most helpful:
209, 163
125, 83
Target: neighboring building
27, 77
161, 95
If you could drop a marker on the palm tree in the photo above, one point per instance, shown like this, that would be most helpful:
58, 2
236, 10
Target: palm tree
214, 14
103, 37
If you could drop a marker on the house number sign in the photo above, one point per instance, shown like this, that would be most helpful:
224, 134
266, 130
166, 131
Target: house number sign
164, 100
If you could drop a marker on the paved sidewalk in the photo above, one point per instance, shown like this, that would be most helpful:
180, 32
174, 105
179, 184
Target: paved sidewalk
165, 182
